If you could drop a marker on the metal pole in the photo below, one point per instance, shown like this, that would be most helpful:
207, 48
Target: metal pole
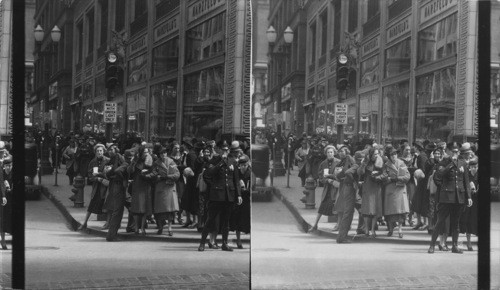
272, 168
40, 167
288, 169
57, 162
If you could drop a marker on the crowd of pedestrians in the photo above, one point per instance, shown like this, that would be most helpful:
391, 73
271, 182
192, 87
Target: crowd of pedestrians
427, 186
202, 184
5, 192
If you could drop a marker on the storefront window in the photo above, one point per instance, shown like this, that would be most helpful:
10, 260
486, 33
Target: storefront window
368, 114
435, 105
397, 58
395, 111
207, 39
117, 127
351, 115
136, 111
320, 119
162, 110
203, 103
369, 71
438, 41
137, 69
87, 91
87, 118
165, 57
330, 119
311, 95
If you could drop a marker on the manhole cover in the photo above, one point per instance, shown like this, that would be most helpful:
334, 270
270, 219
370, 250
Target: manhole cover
272, 250
42, 248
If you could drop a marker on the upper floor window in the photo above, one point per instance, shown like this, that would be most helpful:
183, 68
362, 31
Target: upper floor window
353, 16
336, 24
373, 8
206, 39
312, 28
438, 41
140, 8
90, 25
104, 21
324, 30
120, 15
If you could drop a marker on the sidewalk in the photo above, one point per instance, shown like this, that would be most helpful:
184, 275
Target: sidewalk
60, 194
306, 217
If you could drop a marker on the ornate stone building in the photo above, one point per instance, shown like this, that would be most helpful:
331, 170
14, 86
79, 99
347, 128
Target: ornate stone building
412, 68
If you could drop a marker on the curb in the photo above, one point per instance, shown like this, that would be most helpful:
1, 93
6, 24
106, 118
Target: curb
305, 226
73, 225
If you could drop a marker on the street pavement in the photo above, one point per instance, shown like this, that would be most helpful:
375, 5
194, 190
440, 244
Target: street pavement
285, 257
75, 216
57, 257
291, 197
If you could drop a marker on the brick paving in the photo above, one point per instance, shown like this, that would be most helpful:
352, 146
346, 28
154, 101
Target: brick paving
200, 281
433, 282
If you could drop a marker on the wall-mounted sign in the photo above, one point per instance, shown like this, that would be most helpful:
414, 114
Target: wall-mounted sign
202, 7
341, 114
166, 28
399, 29
286, 92
371, 45
435, 7
53, 91
138, 44
132, 117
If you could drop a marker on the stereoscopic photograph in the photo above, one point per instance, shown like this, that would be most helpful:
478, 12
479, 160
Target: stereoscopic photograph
249, 144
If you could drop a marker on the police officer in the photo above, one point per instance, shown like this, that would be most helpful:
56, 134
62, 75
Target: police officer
224, 181
452, 177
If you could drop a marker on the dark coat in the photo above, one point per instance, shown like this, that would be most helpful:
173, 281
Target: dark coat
223, 180
141, 187
83, 156
97, 187
453, 184
347, 192
118, 180
324, 180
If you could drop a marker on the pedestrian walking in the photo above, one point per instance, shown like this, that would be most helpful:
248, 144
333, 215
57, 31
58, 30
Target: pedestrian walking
140, 172
99, 183
344, 205
166, 204
69, 155
301, 157
452, 177
330, 185
240, 216
6, 196
469, 219
179, 158
118, 179
395, 175
371, 204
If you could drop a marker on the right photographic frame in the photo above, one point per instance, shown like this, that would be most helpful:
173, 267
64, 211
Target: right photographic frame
365, 144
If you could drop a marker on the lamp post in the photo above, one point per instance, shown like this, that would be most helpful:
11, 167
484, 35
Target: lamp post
55, 35
280, 56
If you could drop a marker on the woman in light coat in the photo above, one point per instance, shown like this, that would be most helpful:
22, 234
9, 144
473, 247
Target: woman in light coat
331, 185
395, 175
371, 205
165, 196
99, 182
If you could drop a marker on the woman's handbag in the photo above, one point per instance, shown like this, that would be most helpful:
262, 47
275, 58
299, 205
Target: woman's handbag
201, 184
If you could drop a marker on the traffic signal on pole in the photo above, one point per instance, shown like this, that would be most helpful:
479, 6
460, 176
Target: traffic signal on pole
342, 71
114, 70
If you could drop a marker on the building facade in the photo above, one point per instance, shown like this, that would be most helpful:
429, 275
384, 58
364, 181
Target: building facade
412, 69
286, 72
5, 69
186, 67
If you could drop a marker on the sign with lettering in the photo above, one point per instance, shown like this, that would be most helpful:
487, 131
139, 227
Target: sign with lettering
166, 28
201, 7
110, 109
370, 45
138, 44
341, 114
435, 7
399, 29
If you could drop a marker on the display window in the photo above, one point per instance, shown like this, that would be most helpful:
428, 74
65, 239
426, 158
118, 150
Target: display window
395, 111
206, 39
203, 103
370, 71
136, 112
368, 114
137, 69
435, 102
163, 110
165, 57
398, 58
438, 40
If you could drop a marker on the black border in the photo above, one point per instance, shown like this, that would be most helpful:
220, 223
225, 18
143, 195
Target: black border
18, 213
483, 109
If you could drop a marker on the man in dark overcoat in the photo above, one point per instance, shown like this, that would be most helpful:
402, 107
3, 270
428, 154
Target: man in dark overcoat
224, 181
452, 178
